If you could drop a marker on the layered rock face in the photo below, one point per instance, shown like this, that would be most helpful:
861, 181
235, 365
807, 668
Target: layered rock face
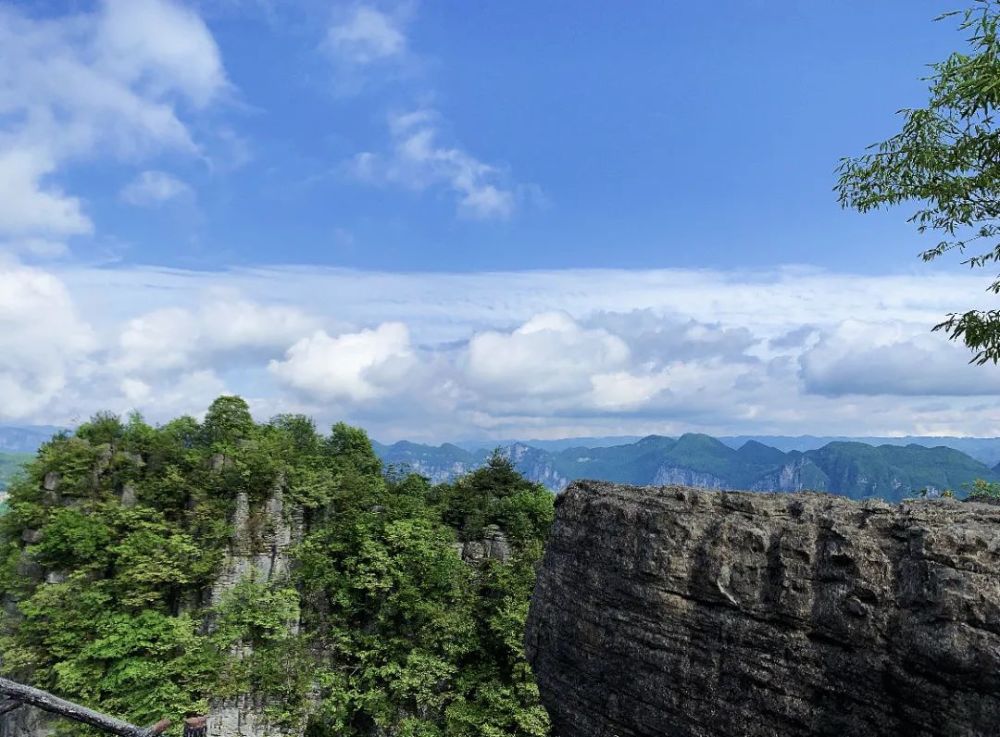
691, 613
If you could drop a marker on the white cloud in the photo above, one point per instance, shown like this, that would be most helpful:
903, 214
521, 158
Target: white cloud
153, 188
517, 354
354, 366
39, 248
892, 358
365, 35
549, 355
173, 338
160, 47
418, 161
622, 390
364, 41
111, 82
44, 343
27, 205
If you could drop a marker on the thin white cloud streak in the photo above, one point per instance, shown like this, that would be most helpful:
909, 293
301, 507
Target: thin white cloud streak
418, 161
365, 42
440, 307
153, 187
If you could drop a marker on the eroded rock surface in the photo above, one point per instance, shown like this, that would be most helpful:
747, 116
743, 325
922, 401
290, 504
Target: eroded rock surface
492, 545
684, 612
258, 550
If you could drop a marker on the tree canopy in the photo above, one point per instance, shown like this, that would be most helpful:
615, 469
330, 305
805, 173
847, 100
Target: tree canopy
946, 159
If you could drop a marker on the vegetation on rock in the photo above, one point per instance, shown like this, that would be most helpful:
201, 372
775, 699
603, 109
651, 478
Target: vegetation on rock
117, 533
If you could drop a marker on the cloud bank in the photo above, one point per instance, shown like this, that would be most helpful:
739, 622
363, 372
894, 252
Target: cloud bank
543, 354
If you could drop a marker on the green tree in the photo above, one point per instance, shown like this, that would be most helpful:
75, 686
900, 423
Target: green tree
982, 490
946, 159
228, 420
352, 446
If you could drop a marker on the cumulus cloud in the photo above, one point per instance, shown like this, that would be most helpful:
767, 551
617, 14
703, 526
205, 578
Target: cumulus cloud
354, 366
609, 363
549, 355
109, 82
522, 354
44, 343
153, 188
171, 338
896, 359
418, 161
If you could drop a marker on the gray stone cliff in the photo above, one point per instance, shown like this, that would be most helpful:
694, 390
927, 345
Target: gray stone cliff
680, 612
258, 550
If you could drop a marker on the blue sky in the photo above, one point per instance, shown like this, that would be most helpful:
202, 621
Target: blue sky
673, 134
446, 221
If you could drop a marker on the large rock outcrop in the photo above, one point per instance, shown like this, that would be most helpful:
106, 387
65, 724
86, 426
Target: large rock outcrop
684, 612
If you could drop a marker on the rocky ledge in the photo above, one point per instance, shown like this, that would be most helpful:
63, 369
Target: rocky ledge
683, 612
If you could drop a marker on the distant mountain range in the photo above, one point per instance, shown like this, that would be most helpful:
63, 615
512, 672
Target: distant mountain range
10, 464
25, 438
891, 468
986, 450
855, 469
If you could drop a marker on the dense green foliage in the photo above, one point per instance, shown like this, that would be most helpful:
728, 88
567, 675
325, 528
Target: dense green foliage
981, 490
945, 159
116, 535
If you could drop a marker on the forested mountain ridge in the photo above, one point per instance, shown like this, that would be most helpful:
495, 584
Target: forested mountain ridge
853, 469
849, 467
279, 580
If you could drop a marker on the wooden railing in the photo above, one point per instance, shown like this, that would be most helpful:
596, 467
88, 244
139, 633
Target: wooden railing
14, 695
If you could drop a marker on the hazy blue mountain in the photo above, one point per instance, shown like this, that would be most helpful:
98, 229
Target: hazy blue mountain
438, 463
25, 438
10, 464
855, 469
553, 446
986, 450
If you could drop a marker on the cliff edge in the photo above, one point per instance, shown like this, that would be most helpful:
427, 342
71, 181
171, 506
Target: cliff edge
691, 613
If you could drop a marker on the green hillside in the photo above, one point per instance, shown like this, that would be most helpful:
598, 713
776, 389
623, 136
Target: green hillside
892, 471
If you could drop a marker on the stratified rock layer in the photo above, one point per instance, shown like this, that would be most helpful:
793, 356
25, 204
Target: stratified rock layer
683, 612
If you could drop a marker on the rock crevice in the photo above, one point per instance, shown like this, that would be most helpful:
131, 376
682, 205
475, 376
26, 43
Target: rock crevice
678, 611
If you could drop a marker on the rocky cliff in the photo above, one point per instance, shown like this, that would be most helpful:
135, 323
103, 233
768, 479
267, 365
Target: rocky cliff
692, 613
